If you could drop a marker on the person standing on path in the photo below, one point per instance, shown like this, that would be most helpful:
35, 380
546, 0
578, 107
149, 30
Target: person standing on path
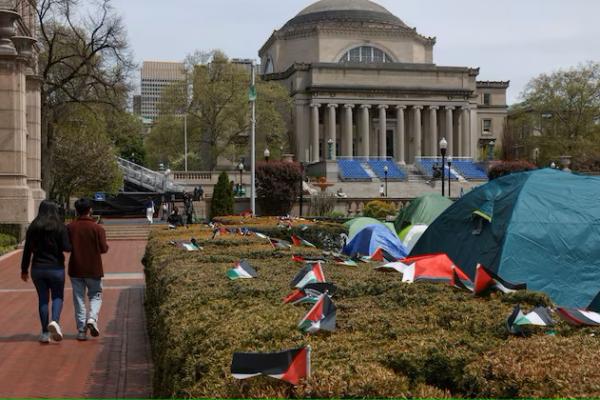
85, 268
150, 210
47, 240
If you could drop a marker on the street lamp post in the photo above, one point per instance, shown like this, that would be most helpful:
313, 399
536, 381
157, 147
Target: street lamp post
330, 148
241, 169
449, 176
491, 146
385, 173
302, 168
267, 154
443, 149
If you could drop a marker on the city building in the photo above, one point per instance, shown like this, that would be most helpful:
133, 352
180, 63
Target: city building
156, 76
365, 84
20, 116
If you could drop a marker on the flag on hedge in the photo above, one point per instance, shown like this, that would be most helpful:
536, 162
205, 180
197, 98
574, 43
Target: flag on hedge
290, 366
589, 316
310, 293
242, 270
486, 279
320, 317
307, 259
310, 273
391, 267
348, 263
382, 255
191, 246
539, 316
280, 244
298, 241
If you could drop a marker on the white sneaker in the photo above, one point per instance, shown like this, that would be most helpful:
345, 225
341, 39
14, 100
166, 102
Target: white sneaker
55, 332
93, 327
44, 337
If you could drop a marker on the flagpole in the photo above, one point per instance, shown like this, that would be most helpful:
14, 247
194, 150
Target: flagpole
253, 148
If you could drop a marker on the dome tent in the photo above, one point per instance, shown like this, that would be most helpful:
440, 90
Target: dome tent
538, 227
372, 238
357, 224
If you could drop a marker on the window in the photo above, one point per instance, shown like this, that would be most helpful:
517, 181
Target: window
487, 99
487, 127
366, 55
268, 66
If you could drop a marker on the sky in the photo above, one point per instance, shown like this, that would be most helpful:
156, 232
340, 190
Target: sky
514, 40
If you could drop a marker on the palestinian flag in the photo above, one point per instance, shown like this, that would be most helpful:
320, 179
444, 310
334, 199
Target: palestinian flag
460, 283
310, 273
310, 293
290, 366
539, 316
192, 245
242, 270
320, 317
298, 241
280, 244
347, 263
432, 268
589, 316
486, 279
306, 259
391, 267
382, 255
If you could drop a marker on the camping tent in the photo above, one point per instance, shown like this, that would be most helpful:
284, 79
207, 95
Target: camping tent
422, 211
373, 237
537, 227
357, 224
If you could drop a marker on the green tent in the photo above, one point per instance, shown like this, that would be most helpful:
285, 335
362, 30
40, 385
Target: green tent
422, 211
537, 227
358, 224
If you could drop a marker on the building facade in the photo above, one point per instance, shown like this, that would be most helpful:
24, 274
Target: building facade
156, 76
364, 84
20, 115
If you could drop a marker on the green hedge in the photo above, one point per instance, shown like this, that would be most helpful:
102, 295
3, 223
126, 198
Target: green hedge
392, 339
7, 243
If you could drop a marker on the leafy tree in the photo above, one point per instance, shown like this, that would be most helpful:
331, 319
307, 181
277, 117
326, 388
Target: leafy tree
126, 133
222, 200
84, 157
564, 108
508, 167
83, 59
278, 186
218, 114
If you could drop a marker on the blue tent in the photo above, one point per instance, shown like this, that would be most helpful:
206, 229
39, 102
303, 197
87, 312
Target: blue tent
373, 237
538, 227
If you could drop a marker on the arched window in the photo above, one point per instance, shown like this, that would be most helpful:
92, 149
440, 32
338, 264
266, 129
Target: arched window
366, 55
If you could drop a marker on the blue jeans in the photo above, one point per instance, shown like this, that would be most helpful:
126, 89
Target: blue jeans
49, 282
94, 294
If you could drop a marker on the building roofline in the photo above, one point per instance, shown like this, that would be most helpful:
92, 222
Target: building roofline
493, 84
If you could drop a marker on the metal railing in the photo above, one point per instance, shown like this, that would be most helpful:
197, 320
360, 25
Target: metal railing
147, 178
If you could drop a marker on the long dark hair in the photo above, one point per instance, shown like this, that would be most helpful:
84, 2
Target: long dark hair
48, 219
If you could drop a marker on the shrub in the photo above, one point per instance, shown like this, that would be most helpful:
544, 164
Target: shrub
322, 204
222, 200
278, 186
379, 209
7, 243
508, 167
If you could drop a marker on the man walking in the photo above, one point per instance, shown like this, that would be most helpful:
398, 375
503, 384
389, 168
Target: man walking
88, 240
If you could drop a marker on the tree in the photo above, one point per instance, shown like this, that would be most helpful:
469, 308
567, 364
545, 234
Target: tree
84, 157
565, 107
218, 113
278, 186
503, 168
222, 199
83, 59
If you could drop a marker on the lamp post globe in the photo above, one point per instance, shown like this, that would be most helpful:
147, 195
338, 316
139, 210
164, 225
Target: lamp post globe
443, 150
267, 154
553, 165
385, 173
330, 148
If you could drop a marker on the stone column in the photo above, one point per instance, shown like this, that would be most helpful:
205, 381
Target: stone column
332, 127
465, 132
400, 135
347, 141
34, 139
473, 132
302, 132
433, 131
16, 203
314, 132
417, 131
450, 130
364, 132
382, 131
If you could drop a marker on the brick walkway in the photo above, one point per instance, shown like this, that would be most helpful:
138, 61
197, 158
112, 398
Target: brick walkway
117, 364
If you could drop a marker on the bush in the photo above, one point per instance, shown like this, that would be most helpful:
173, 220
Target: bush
7, 243
508, 167
278, 186
222, 200
322, 204
379, 209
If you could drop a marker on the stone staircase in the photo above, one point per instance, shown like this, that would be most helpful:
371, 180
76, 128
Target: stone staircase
414, 175
115, 231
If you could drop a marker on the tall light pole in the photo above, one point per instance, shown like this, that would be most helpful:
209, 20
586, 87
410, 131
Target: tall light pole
443, 149
385, 173
267, 154
253, 142
449, 176
185, 142
241, 169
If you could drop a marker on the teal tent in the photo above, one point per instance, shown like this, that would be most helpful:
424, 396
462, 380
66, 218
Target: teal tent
538, 227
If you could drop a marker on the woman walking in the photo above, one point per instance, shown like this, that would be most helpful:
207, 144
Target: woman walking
46, 240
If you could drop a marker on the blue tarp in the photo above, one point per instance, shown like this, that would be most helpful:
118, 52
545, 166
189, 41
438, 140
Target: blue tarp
373, 237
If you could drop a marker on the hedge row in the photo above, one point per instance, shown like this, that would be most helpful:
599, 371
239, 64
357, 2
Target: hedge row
7, 243
392, 339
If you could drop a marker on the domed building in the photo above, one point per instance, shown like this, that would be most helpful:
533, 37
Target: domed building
365, 84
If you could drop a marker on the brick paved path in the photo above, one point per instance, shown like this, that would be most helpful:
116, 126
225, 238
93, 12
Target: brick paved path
117, 364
